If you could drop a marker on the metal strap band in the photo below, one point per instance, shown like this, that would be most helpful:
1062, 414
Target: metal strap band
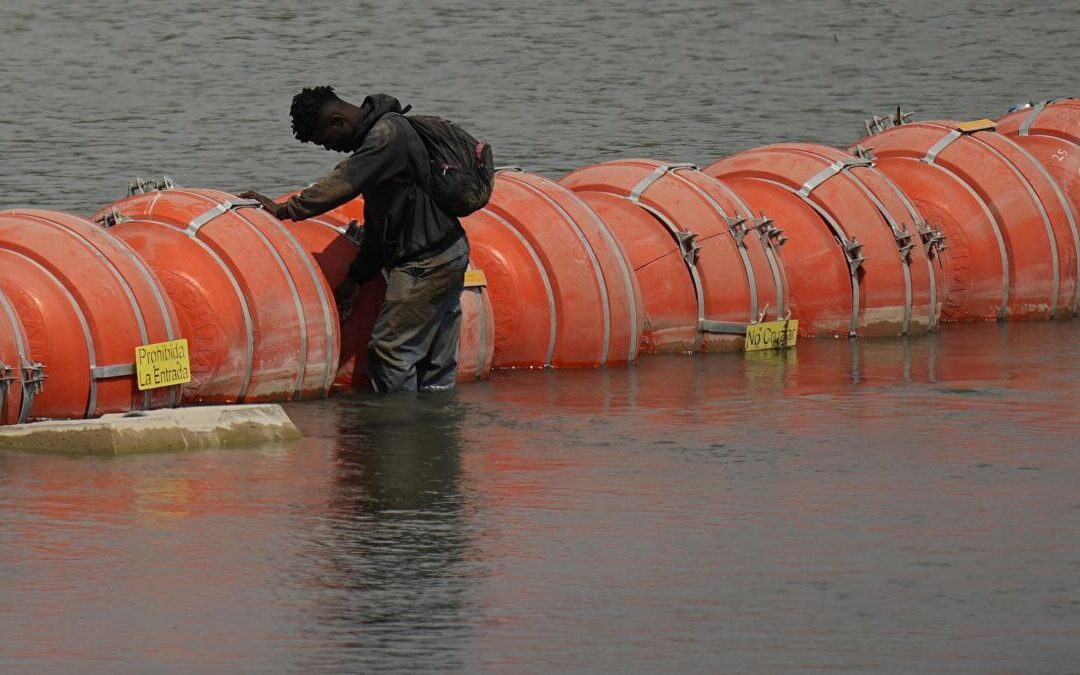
115, 370
830, 171
722, 327
657, 174
904, 245
771, 238
481, 317
626, 268
1050, 234
851, 248
1036, 110
218, 210
937, 148
1075, 231
737, 228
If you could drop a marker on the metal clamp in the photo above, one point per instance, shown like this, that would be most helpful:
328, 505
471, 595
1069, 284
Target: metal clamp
770, 234
875, 124
932, 238
219, 210
33, 376
828, 172
738, 228
903, 242
511, 167
7, 376
688, 246
722, 327
864, 153
140, 186
113, 218
853, 253
115, 370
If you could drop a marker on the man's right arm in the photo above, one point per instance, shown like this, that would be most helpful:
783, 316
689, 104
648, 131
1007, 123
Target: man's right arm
381, 156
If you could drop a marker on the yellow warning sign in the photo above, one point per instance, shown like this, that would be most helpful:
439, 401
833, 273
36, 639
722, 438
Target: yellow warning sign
163, 364
771, 335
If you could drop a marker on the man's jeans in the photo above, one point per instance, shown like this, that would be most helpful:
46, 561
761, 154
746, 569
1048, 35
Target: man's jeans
414, 344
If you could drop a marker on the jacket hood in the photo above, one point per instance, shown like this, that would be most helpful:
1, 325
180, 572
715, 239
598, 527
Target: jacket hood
372, 109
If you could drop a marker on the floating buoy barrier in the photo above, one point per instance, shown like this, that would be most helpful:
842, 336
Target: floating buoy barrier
705, 264
854, 257
85, 301
918, 224
333, 239
563, 291
256, 310
1012, 246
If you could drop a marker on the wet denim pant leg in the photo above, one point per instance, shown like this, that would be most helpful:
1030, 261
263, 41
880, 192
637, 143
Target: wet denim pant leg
414, 344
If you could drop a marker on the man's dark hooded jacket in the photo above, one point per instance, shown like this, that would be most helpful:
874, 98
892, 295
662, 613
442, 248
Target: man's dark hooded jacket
389, 168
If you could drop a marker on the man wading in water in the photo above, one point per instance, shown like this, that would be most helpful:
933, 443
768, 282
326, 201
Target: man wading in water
424, 249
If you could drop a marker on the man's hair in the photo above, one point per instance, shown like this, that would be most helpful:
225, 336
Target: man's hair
305, 110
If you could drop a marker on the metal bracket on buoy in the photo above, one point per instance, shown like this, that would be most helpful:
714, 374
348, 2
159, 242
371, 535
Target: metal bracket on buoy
864, 153
109, 372
219, 210
140, 186
33, 383
7, 376
932, 238
853, 253
903, 242
772, 235
828, 172
657, 174
875, 124
113, 218
688, 246
738, 228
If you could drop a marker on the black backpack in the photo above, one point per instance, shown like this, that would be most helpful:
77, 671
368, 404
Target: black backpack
462, 168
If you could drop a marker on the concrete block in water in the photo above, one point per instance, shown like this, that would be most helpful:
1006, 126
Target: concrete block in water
156, 430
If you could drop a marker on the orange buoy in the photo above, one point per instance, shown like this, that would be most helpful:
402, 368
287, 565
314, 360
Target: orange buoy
1050, 131
273, 323
889, 278
16, 392
562, 289
1010, 235
86, 302
326, 238
705, 264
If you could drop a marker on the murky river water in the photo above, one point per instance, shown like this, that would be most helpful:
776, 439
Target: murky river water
879, 505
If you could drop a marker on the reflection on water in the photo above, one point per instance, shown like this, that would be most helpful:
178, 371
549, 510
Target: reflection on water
875, 504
